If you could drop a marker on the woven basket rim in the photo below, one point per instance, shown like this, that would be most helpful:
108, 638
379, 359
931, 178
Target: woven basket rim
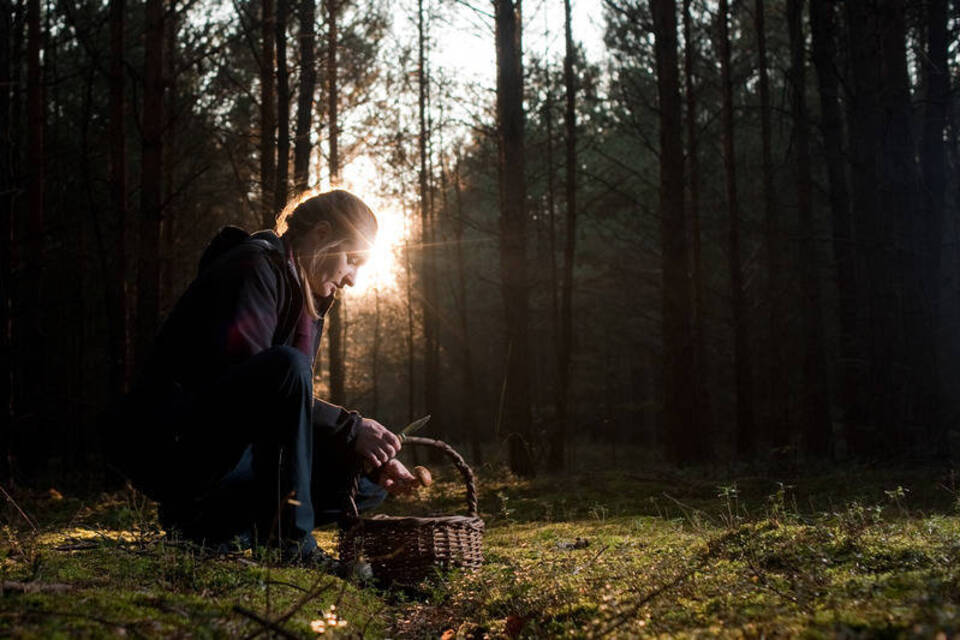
386, 520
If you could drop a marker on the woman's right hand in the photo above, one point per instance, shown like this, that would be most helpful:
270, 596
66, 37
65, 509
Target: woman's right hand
375, 443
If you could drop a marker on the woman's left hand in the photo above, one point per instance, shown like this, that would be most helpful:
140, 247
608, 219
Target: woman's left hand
396, 479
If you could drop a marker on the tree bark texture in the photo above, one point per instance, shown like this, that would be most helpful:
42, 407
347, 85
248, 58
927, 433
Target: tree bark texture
678, 356
565, 354
281, 187
117, 290
774, 400
933, 166
746, 429
6, 242
308, 81
516, 417
268, 114
151, 184
431, 363
335, 328
701, 393
823, 30
815, 420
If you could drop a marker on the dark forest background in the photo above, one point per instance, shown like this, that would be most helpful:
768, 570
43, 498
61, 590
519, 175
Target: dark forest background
732, 238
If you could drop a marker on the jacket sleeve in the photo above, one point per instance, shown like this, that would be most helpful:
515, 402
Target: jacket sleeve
334, 426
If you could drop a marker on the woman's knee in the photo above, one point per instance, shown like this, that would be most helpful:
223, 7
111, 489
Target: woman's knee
288, 368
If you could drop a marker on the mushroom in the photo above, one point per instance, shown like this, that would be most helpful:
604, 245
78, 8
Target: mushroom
423, 475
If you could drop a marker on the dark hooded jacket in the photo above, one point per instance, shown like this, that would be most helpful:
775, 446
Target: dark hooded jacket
244, 300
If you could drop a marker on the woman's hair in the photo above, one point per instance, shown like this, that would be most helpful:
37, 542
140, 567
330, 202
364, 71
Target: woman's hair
348, 216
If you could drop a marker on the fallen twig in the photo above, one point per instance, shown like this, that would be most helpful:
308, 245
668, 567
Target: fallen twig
22, 512
264, 623
34, 587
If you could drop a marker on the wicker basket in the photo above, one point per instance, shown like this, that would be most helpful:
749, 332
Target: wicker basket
405, 550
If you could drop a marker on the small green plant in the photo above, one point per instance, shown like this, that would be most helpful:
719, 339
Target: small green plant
730, 498
503, 506
896, 496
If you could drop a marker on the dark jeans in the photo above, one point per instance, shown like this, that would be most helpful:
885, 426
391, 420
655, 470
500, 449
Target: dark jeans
244, 458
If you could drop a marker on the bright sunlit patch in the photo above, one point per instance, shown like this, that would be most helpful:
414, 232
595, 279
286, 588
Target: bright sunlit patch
382, 268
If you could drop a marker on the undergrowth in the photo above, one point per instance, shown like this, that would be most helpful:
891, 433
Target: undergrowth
608, 554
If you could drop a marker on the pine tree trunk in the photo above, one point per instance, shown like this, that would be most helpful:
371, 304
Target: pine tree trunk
933, 165
903, 303
308, 80
268, 117
283, 111
565, 353
335, 331
6, 243
825, 59
775, 399
151, 184
685, 443
746, 430
516, 418
814, 400
701, 397
468, 390
117, 285
427, 253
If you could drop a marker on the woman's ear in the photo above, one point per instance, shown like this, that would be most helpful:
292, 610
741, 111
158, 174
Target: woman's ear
322, 233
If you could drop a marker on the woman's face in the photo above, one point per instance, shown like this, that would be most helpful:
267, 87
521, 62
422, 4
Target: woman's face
337, 268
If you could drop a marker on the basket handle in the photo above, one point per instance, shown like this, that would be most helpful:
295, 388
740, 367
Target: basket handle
465, 471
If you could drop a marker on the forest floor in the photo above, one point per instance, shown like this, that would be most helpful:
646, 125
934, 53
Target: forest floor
612, 553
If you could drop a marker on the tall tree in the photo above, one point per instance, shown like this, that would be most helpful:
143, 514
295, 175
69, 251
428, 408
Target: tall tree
281, 186
151, 182
701, 399
516, 416
117, 287
774, 373
6, 244
823, 32
814, 400
933, 164
565, 355
431, 364
308, 80
337, 367
268, 117
900, 301
746, 430
678, 361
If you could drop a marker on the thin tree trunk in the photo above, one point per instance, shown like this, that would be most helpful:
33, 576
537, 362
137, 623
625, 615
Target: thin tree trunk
468, 390
168, 240
151, 188
308, 80
117, 287
565, 353
513, 239
408, 269
6, 243
902, 305
283, 111
825, 59
268, 117
746, 430
337, 367
678, 358
701, 395
864, 136
427, 254
933, 163
776, 396
814, 399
